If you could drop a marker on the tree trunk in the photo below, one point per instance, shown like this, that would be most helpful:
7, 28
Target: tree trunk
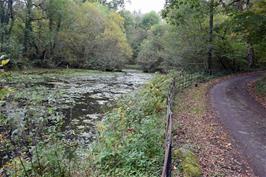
11, 16
6, 14
210, 47
28, 27
1, 25
248, 3
250, 50
251, 55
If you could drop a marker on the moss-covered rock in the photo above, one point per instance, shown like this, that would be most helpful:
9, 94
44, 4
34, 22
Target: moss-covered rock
189, 163
4, 92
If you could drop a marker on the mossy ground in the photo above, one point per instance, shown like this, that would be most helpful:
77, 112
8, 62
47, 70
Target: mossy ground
189, 163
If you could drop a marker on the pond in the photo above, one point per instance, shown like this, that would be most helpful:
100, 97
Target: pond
75, 99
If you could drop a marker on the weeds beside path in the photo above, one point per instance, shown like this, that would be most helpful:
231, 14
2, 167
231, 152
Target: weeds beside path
196, 128
257, 89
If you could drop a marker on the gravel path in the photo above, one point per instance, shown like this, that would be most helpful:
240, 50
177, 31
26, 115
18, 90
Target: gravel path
244, 118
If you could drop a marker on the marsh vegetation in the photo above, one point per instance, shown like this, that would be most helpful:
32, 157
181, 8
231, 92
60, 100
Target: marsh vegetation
39, 103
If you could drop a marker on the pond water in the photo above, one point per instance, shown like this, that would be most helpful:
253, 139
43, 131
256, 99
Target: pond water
92, 97
79, 98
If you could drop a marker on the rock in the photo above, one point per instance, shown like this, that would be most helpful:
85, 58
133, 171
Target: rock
189, 163
93, 116
87, 121
86, 135
80, 127
102, 102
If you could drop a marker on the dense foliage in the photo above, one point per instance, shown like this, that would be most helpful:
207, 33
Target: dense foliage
207, 35
137, 26
48, 33
228, 35
196, 34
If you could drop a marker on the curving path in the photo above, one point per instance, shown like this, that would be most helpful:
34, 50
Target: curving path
244, 118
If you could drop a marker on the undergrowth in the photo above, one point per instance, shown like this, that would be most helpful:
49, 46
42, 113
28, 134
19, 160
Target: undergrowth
261, 87
130, 142
131, 137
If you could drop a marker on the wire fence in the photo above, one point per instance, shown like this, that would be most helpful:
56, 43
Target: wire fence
179, 83
168, 135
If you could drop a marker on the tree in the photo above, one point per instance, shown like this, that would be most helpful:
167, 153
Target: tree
53, 33
6, 23
136, 27
249, 22
150, 19
114, 4
189, 20
231, 26
56, 11
111, 4
210, 47
150, 55
163, 49
92, 40
178, 19
28, 27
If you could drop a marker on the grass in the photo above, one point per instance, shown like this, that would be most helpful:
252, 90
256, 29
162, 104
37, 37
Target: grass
258, 90
49, 72
260, 87
136, 67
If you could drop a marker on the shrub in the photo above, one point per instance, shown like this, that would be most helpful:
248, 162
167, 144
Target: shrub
261, 87
131, 137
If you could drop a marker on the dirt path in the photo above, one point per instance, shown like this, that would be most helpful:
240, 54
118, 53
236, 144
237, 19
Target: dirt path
244, 118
